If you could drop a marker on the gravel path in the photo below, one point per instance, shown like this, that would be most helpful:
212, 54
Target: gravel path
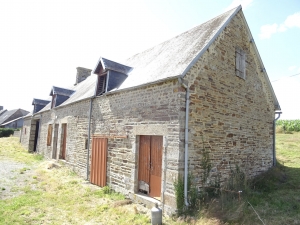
13, 177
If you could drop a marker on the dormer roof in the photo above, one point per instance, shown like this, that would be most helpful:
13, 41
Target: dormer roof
61, 91
40, 102
107, 64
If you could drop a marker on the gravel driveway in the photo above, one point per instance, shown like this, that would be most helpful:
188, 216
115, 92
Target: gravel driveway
13, 177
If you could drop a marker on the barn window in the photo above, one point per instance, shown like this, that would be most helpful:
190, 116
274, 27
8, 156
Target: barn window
49, 137
240, 63
101, 87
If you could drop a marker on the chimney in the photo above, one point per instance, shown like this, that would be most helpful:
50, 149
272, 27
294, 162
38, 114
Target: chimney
82, 74
1, 107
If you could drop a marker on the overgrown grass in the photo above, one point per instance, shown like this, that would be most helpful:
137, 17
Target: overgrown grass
59, 196
11, 148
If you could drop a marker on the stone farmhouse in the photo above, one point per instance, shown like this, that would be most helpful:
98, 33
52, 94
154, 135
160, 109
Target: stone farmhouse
139, 125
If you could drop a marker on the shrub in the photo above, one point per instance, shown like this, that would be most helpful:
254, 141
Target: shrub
6, 132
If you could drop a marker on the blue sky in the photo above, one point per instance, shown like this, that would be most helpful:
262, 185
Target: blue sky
42, 42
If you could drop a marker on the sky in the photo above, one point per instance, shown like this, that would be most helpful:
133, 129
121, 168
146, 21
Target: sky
42, 42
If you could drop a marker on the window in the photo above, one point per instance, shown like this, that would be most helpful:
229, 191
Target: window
49, 137
25, 130
101, 88
240, 63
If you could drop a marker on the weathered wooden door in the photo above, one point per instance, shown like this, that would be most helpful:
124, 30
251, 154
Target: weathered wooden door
54, 152
150, 164
63, 141
99, 159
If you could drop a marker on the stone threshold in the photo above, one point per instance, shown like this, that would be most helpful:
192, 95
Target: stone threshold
145, 200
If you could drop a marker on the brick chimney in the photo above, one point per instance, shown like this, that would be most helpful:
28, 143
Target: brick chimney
82, 74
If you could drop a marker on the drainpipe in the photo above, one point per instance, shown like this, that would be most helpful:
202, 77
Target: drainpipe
186, 140
274, 134
89, 137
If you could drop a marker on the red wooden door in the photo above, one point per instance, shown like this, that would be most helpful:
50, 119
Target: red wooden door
155, 166
99, 159
150, 163
63, 141
144, 159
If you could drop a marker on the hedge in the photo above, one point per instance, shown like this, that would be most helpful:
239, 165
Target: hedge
6, 132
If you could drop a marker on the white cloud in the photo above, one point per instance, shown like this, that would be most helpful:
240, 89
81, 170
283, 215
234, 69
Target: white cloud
291, 21
266, 31
292, 68
235, 3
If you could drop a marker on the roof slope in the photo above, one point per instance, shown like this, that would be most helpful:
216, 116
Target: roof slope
171, 58
12, 114
168, 60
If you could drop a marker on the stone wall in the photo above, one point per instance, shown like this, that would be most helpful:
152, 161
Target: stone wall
233, 116
25, 132
76, 117
152, 110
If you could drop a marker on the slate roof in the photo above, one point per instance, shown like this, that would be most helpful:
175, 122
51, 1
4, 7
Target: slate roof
5, 116
168, 60
172, 57
111, 65
40, 102
61, 91
12, 114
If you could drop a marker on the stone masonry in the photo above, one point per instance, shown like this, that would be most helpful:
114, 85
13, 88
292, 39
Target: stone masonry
232, 115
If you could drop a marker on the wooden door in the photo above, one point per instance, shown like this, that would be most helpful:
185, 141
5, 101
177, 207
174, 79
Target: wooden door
99, 159
150, 165
63, 141
155, 166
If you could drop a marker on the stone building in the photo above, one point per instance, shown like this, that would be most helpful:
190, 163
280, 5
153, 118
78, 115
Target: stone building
140, 125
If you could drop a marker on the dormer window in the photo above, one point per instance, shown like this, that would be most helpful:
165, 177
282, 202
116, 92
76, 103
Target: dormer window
102, 84
59, 96
39, 104
110, 75
240, 63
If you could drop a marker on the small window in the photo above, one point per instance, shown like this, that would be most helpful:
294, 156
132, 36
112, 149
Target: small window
101, 88
25, 130
49, 137
240, 63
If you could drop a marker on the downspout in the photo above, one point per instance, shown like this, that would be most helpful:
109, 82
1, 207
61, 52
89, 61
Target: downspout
274, 135
186, 140
89, 137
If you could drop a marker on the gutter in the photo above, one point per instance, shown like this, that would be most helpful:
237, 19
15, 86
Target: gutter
274, 135
186, 140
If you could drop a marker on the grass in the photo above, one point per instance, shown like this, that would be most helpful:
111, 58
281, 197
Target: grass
59, 196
